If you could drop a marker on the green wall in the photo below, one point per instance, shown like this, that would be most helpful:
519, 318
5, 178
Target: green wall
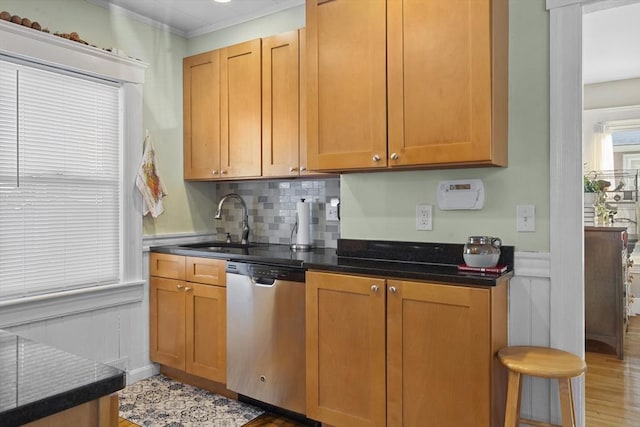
374, 205
189, 206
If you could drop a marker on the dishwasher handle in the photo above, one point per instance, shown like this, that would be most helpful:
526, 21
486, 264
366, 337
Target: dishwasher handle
263, 281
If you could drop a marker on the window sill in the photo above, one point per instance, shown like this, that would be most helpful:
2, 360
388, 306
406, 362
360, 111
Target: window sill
65, 303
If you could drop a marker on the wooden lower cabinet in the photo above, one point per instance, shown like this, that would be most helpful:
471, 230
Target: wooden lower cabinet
188, 320
404, 353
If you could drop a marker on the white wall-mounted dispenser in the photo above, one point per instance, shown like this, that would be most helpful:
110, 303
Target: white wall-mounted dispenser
461, 194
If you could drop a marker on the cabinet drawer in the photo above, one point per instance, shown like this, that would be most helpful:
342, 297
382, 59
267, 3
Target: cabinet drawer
165, 265
206, 270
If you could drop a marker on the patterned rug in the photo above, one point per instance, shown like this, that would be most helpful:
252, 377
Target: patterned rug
162, 402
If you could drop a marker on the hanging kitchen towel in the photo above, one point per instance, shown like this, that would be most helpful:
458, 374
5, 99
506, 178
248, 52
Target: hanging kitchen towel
148, 181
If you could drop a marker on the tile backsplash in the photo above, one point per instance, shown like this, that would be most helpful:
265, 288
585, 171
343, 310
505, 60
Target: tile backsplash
272, 210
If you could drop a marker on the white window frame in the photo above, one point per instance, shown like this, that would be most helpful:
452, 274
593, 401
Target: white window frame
42, 48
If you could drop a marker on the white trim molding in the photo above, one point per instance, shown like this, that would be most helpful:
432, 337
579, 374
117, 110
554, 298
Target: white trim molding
174, 239
566, 325
44, 48
532, 264
27, 310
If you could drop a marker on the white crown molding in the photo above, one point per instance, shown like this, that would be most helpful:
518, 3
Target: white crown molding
137, 17
231, 22
44, 48
589, 5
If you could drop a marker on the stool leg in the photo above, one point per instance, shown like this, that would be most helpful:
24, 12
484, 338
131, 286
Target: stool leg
512, 413
566, 402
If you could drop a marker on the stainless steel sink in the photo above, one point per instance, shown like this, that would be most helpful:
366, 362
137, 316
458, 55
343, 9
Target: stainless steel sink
218, 246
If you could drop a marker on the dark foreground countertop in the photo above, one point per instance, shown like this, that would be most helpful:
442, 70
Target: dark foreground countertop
37, 380
405, 260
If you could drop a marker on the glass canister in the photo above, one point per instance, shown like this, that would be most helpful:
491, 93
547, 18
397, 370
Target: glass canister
482, 251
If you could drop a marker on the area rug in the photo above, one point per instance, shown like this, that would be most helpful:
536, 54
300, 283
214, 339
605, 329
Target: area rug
162, 402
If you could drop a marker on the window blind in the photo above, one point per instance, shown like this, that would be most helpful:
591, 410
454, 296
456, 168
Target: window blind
60, 181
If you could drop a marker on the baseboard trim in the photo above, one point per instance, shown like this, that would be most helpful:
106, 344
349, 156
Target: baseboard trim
138, 374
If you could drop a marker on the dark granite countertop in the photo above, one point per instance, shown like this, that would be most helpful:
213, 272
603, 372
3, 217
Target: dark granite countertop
436, 262
37, 380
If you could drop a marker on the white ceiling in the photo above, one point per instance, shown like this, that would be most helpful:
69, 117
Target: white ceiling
190, 18
611, 44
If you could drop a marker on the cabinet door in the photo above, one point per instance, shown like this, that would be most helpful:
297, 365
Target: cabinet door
206, 270
167, 321
438, 355
346, 86
280, 106
445, 105
201, 97
241, 110
345, 334
206, 333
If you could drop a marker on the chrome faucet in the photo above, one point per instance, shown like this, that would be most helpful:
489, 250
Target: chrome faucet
245, 215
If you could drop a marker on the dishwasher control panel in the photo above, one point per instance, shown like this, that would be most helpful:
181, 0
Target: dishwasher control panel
266, 271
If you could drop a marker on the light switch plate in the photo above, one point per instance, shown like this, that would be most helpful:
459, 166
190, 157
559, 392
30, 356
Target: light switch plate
424, 217
526, 218
332, 212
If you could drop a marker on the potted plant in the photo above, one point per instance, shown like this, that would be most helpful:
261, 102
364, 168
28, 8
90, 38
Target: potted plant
591, 189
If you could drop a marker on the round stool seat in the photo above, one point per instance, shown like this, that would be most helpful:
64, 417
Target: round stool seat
542, 362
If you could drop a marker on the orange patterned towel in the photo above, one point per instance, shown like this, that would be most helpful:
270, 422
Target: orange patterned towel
149, 183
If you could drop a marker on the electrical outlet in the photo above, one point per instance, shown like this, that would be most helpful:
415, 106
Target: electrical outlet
424, 217
332, 212
526, 218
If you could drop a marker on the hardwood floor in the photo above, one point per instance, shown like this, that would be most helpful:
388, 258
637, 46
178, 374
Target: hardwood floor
613, 385
126, 423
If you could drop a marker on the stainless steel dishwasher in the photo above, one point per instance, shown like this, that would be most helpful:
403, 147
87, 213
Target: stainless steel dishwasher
266, 333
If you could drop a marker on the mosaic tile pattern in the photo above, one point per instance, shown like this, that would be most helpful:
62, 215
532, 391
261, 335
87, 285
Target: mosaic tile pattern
272, 209
162, 402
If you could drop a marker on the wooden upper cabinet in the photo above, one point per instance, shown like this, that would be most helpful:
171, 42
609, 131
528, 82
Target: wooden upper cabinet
447, 74
201, 97
280, 105
240, 110
346, 84
433, 74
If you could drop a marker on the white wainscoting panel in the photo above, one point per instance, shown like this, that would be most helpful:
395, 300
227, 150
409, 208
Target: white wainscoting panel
529, 314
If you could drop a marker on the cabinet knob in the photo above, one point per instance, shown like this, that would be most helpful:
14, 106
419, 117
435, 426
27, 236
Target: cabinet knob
223, 172
187, 288
376, 158
393, 289
214, 172
302, 169
394, 156
180, 287
292, 169
374, 288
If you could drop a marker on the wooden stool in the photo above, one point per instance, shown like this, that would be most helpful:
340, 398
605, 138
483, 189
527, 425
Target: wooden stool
540, 362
